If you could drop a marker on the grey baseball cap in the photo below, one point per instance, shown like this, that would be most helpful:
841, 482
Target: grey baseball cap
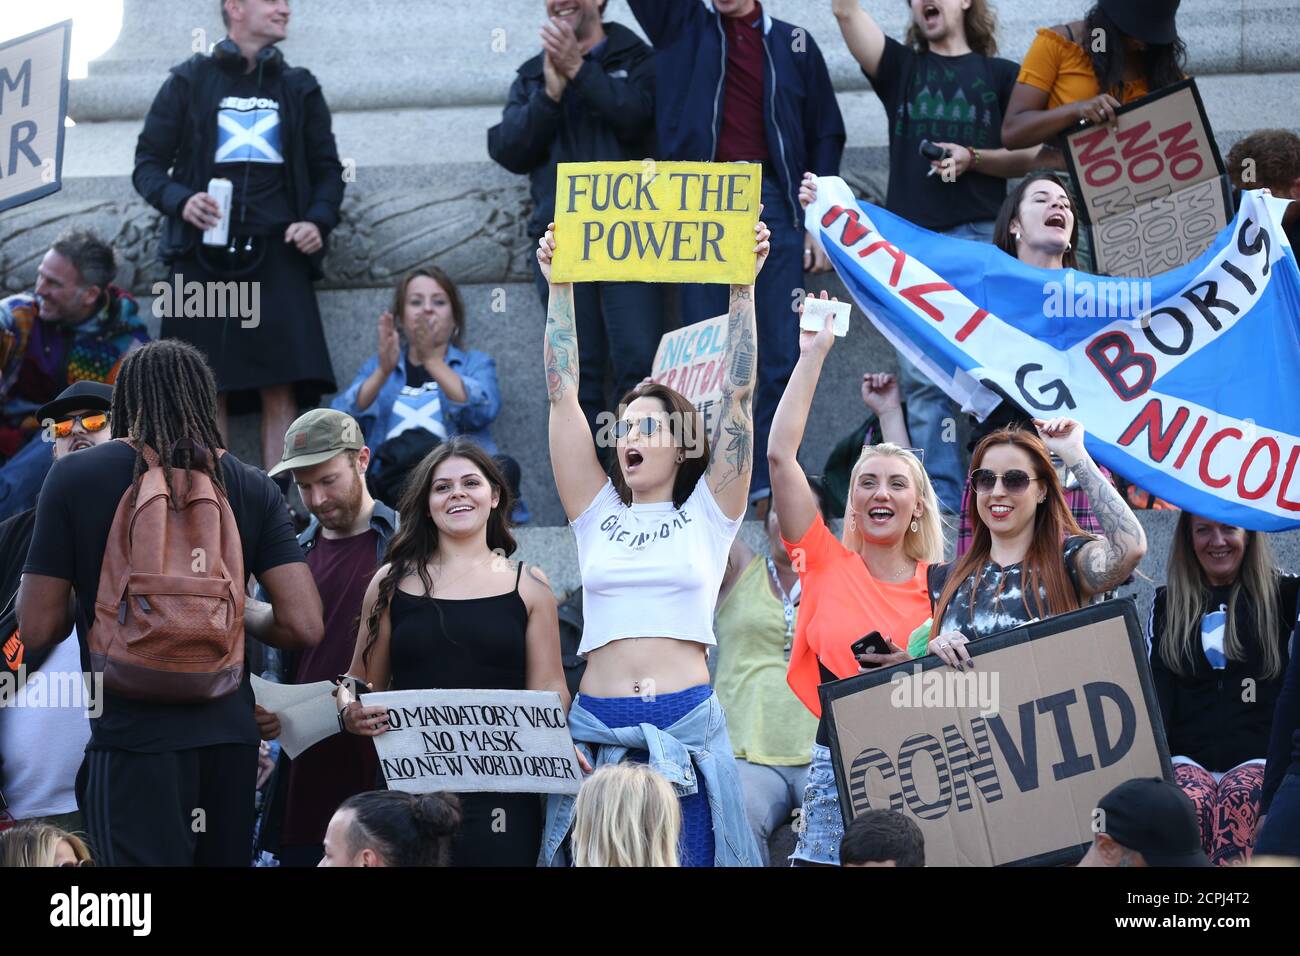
317, 437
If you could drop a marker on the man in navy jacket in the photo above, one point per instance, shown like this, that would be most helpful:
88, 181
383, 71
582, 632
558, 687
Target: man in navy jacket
587, 97
735, 85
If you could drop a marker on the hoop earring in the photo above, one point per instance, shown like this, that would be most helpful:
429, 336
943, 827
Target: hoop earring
1068, 246
915, 527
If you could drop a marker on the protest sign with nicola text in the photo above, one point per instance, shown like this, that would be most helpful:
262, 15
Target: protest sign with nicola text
1189, 388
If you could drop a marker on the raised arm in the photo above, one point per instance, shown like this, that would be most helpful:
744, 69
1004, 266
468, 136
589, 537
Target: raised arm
1104, 564
578, 475
1028, 122
862, 35
792, 497
731, 455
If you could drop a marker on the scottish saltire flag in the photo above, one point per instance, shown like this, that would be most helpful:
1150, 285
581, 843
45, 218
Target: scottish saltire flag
1187, 383
248, 130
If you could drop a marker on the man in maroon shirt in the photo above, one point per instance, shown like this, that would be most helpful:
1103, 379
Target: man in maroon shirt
733, 84
344, 545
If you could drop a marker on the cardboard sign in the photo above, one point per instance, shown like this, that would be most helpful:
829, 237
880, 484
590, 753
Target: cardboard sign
1153, 186
1004, 764
656, 222
501, 741
690, 360
33, 104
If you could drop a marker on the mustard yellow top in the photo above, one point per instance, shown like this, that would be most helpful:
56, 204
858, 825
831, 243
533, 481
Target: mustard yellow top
1062, 69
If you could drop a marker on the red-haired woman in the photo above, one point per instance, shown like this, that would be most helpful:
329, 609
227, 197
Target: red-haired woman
1028, 559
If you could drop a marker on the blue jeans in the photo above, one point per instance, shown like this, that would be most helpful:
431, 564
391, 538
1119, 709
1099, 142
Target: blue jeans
771, 794
1281, 833
22, 475
821, 824
619, 324
778, 325
930, 412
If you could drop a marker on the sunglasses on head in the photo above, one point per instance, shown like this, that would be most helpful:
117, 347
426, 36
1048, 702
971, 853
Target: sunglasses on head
648, 425
1014, 481
918, 452
91, 423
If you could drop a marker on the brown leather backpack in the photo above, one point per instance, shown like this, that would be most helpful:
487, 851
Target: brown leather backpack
169, 613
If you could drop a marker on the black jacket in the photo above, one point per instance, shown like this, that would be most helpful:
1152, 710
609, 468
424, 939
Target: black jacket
174, 154
1284, 744
606, 114
1208, 715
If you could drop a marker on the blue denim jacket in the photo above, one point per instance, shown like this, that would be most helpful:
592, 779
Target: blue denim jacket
478, 372
696, 744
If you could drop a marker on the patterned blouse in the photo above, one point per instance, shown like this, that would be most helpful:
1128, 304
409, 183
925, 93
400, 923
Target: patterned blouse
1000, 598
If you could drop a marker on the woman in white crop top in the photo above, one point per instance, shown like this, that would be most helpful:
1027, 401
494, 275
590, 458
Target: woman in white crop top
652, 548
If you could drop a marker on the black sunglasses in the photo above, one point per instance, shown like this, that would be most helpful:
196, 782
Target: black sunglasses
1014, 481
648, 425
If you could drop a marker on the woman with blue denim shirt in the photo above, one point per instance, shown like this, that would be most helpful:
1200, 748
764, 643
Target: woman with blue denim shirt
424, 382
653, 541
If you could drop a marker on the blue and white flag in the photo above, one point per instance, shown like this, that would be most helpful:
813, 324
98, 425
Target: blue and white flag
248, 130
1187, 384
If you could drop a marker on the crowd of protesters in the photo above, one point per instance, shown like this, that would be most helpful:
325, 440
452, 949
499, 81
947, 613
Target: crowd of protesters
399, 575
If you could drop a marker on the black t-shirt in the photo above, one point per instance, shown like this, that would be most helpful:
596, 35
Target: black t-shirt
250, 153
73, 518
945, 99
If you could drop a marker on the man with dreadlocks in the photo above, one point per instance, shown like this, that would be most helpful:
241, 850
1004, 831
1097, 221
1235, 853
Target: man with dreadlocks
164, 784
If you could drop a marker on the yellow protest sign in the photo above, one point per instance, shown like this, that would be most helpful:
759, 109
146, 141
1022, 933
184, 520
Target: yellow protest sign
656, 222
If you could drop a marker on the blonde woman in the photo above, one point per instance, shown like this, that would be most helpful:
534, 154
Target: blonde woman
41, 844
1220, 625
627, 815
874, 579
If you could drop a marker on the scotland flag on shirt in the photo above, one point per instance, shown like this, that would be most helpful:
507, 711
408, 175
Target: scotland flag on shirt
248, 130
1212, 627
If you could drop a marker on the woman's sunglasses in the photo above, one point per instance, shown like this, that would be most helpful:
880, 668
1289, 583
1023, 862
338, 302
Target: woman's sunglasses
648, 426
91, 423
1014, 481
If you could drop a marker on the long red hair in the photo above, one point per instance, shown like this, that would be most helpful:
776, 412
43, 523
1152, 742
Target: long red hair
1044, 565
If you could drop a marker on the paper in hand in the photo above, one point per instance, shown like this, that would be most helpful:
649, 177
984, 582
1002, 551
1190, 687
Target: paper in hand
307, 712
815, 311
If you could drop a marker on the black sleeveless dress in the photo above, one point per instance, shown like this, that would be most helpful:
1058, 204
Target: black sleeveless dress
474, 643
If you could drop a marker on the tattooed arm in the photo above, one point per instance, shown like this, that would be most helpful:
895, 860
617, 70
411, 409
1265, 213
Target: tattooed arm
578, 475
731, 454
1103, 564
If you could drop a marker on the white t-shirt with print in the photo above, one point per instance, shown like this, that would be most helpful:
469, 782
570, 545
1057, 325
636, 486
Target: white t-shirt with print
651, 570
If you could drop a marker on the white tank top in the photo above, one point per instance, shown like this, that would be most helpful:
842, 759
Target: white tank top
651, 570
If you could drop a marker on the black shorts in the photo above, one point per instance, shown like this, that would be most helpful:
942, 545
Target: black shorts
177, 808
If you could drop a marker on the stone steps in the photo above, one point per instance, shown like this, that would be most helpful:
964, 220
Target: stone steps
414, 86
376, 54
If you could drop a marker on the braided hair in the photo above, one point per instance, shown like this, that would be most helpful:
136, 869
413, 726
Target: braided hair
165, 397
